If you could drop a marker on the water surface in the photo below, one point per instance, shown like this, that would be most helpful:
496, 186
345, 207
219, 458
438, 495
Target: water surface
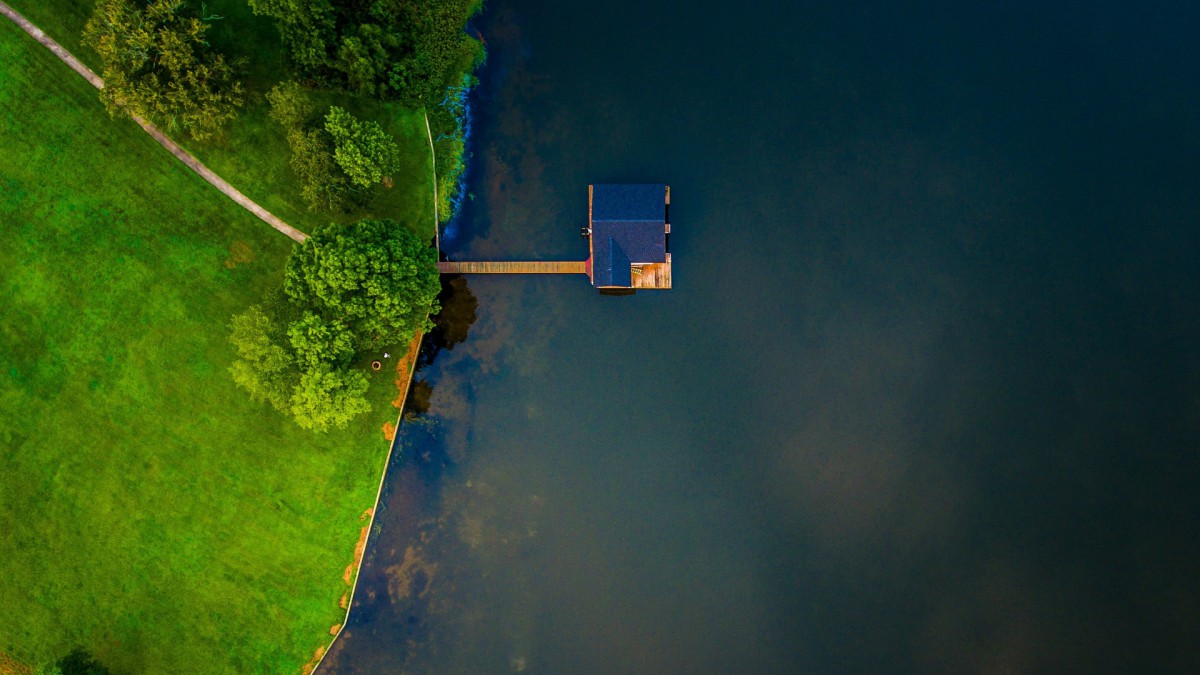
925, 396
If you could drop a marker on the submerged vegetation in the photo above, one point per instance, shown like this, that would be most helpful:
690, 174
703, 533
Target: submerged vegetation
136, 317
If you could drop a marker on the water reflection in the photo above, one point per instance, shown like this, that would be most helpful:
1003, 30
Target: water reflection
419, 393
458, 312
452, 325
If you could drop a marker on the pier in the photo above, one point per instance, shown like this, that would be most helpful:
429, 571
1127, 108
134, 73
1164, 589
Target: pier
535, 267
629, 243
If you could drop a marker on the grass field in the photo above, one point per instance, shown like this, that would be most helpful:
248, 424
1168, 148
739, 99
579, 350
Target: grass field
150, 512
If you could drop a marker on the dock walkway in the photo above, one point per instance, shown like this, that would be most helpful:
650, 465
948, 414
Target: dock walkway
538, 267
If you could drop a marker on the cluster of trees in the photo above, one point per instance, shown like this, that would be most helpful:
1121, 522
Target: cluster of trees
158, 65
347, 290
405, 50
336, 156
322, 184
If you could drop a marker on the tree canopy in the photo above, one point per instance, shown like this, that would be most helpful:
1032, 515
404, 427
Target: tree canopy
326, 397
158, 65
375, 275
347, 290
362, 148
407, 50
265, 367
316, 340
290, 105
323, 184
307, 27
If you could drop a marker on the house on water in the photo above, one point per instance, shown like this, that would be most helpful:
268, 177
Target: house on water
629, 242
629, 233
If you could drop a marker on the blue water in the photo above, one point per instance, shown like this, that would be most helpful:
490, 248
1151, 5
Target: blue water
925, 396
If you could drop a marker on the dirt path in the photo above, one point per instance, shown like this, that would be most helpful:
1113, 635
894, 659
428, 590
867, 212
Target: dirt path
171, 146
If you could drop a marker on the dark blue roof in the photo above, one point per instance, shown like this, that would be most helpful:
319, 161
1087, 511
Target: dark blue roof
614, 268
628, 226
629, 202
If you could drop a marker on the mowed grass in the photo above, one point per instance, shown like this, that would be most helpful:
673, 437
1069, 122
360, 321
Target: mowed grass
149, 512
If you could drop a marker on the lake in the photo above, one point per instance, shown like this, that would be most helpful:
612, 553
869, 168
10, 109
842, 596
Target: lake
925, 395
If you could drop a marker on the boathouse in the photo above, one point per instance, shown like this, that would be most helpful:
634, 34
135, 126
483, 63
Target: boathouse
628, 235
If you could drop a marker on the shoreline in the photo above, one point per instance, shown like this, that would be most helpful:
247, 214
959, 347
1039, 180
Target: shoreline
409, 363
459, 171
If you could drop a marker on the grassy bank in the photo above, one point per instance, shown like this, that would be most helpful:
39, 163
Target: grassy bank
151, 513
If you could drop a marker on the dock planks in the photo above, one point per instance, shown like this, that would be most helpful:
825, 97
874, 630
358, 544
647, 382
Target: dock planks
535, 267
653, 275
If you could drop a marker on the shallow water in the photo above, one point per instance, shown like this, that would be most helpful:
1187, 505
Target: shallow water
925, 396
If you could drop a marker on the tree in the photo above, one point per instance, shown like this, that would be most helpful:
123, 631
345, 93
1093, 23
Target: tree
290, 106
317, 341
362, 148
375, 275
441, 52
348, 288
408, 50
308, 27
323, 184
265, 367
327, 398
363, 58
158, 65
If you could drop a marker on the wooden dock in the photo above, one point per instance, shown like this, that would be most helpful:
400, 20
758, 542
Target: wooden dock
534, 267
629, 242
652, 275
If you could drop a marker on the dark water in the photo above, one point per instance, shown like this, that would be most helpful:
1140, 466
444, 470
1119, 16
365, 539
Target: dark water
925, 397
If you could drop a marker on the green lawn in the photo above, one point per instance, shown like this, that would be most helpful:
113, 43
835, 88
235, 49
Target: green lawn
150, 512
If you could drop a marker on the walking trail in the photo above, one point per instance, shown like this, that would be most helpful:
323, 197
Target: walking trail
171, 146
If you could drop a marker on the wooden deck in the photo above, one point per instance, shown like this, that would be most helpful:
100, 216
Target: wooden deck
653, 275
537, 267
